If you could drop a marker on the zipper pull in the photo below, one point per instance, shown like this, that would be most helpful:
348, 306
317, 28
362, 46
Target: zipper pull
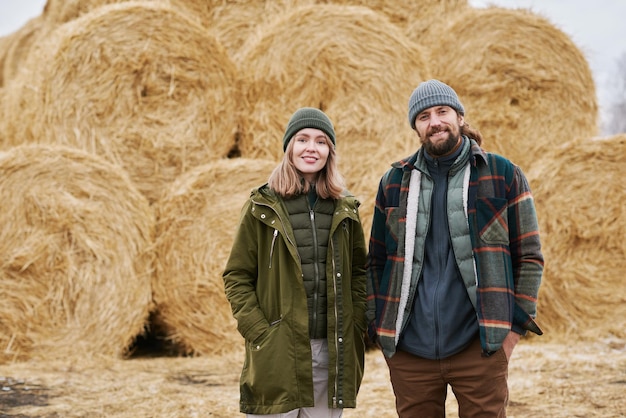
272, 247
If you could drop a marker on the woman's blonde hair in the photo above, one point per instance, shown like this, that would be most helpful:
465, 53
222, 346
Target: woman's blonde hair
286, 181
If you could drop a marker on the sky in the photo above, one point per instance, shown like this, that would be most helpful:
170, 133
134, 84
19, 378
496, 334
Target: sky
595, 26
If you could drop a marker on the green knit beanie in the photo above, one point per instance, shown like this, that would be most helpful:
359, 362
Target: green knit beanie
308, 117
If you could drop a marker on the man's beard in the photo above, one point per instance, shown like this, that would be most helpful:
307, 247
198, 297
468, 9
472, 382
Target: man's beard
443, 147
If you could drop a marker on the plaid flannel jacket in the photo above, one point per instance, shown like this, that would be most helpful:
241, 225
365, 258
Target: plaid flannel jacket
508, 266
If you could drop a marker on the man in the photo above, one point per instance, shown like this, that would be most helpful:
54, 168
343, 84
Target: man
454, 265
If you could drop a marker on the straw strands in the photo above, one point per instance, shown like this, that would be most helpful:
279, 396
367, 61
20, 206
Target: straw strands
135, 82
579, 192
197, 221
523, 82
75, 263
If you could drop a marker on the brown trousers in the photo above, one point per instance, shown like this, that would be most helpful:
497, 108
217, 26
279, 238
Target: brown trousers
479, 384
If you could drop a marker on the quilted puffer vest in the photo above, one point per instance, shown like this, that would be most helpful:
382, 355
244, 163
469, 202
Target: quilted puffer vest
311, 227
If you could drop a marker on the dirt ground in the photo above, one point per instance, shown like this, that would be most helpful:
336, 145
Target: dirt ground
547, 379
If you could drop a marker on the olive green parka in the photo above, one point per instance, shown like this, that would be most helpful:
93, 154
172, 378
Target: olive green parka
263, 283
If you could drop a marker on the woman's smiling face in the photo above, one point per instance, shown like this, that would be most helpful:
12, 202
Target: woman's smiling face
310, 152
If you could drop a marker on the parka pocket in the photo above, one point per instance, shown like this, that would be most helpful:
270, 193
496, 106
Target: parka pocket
260, 377
265, 336
492, 220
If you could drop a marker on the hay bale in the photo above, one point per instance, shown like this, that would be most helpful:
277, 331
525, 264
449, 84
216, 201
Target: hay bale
579, 192
57, 12
233, 22
361, 73
4, 40
287, 69
236, 22
418, 14
525, 85
429, 19
14, 48
75, 264
138, 83
197, 220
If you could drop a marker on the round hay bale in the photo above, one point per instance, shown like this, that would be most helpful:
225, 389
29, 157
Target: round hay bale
429, 18
231, 21
579, 194
76, 264
197, 222
138, 83
14, 48
419, 14
361, 73
58, 12
2, 136
234, 22
517, 75
287, 69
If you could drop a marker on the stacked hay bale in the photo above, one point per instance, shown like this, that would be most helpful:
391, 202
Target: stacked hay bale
163, 90
288, 68
419, 15
16, 46
197, 220
76, 264
579, 191
57, 12
360, 73
234, 22
524, 83
137, 83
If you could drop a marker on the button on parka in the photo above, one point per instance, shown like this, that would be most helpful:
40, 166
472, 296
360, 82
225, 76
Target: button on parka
263, 283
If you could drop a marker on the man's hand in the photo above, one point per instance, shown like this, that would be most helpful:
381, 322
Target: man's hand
509, 343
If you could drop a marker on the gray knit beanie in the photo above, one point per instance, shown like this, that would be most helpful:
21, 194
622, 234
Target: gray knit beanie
432, 93
308, 117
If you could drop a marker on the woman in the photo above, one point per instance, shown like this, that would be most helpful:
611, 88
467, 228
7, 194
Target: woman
295, 280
